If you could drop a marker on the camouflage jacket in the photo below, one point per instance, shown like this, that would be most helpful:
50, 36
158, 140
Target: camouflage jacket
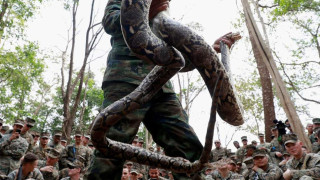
264, 145
35, 174
54, 175
308, 165
231, 176
70, 153
241, 153
122, 64
58, 146
11, 152
272, 173
29, 139
218, 153
315, 147
41, 152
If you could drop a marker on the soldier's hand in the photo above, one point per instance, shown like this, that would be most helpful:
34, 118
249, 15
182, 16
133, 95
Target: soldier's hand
229, 39
47, 169
278, 154
158, 6
14, 135
287, 175
255, 168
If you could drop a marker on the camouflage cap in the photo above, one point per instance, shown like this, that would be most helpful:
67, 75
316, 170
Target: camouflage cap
238, 161
140, 140
254, 142
90, 144
136, 138
63, 139
45, 135
18, 122
249, 162
243, 138
129, 162
151, 148
260, 134
134, 171
77, 163
30, 121
251, 146
5, 128
235, 142
87, 136
54, 153
57, 132
232, 162
78, 133
316, 120
273, 127
259, 152
289, 138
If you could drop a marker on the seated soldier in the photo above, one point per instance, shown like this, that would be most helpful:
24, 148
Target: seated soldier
283, 163
262, 169
74, 169
223, 172
302, 165
27, 169
50, 168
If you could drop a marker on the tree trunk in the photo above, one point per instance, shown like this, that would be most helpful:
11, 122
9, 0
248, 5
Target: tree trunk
281, 90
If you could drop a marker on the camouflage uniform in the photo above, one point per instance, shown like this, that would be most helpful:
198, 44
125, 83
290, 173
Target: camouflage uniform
264, 145
275, 146
11, 152
57, 146
163, 116
272, 173
241, 153
41, 152
231, 176
313, 137
308, 165
73, 152
315, 147
218, 153
35, 174
54, 175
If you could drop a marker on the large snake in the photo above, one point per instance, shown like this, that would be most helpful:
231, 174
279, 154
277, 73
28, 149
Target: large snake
162, 46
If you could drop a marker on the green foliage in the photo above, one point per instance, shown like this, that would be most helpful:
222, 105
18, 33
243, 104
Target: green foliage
19, 71
292, 6
15, 14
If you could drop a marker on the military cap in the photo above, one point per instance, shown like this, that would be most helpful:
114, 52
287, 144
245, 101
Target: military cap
289, 138
249, 162
260, 134
208, 168
129, 162
63, 139
273, 127
5, 128
30, 121
238, 161
77, 133
259, 152
18, 122
244, 138
232, 162
77, 163
254, 142
35, 133
134, 171
136, 138
54, 153
235, 142
57, 132
151, 148
90, 144
316, 120
251, 146
87, 136
45, 135
140, 140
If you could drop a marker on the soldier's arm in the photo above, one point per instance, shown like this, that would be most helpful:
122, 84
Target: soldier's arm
111, 18
64, 157
273, 174
4, 142
313, 172
37, 174
12, 175
18, 150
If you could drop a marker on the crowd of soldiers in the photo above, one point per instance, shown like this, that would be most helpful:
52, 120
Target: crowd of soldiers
27, 154
285, 157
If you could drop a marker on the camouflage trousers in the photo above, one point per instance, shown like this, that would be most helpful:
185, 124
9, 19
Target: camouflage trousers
165, 120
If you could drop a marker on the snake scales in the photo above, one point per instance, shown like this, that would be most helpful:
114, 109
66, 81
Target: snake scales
162, 46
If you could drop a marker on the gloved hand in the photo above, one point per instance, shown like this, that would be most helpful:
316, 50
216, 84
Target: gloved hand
228, 39
157, 6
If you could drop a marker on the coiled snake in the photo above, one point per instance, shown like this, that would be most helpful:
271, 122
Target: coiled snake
162, 46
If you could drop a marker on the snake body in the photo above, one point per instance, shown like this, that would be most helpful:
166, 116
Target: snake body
162, 46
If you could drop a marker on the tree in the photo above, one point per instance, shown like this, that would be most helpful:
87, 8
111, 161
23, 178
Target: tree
14, 14
19, 71
93, 35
